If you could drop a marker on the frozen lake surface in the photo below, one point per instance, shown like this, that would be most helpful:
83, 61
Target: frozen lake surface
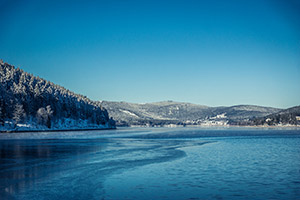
151, 163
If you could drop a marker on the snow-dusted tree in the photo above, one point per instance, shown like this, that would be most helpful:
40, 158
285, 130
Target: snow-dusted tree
49, 110
49, 115
19, 114
41, 116
44, 116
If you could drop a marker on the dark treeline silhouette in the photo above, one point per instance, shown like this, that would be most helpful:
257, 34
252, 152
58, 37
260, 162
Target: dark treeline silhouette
27, 99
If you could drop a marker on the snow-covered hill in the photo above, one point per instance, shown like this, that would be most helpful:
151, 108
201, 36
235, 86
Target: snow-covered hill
290, 116
180, 113
28, 102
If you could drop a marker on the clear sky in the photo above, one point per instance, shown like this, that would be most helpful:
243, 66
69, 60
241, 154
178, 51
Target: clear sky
213, 52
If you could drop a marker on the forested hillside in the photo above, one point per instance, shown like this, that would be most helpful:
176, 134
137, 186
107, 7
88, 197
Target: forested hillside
180, 113
290, 116
30, 102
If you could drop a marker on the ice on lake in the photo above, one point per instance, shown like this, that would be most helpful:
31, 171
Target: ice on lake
146, 163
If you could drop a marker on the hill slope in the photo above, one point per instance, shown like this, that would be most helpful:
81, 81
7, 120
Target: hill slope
290, 116
169, 112
30, 102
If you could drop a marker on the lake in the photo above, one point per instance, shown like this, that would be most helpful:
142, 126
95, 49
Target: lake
152, 163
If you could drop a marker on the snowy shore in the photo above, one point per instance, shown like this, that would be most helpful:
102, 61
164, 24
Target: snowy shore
68, 125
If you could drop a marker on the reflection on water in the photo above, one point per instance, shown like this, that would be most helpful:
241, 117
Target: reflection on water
25, 161
77, 168
158, 164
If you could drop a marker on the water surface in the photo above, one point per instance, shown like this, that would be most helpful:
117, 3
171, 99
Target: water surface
159, 163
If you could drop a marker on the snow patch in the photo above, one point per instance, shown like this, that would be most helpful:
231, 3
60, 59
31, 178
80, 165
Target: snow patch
63, 124
221, 116
128, 112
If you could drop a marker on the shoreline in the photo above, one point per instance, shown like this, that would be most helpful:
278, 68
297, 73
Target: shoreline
57, 130
135, 126
205, 126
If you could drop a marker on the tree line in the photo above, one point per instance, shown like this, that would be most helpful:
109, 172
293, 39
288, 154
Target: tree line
29, 99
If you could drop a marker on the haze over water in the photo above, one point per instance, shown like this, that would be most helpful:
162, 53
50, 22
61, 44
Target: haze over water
158, 163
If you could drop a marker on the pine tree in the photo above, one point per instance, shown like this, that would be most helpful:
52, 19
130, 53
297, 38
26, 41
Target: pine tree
19, 114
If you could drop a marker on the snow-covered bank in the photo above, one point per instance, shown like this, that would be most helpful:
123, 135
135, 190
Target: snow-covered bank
66, 125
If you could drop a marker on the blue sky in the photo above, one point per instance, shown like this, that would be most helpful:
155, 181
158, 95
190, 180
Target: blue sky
215, 53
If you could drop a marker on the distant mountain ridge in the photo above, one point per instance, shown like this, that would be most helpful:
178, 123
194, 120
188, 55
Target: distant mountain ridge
28, 102
181, 113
